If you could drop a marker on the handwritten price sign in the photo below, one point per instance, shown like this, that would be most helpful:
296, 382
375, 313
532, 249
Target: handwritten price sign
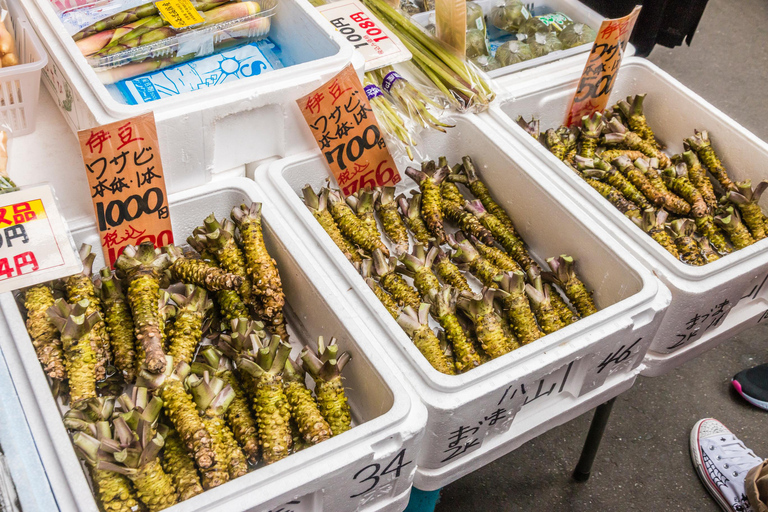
35, 244
125, 175
341, 119
601, 69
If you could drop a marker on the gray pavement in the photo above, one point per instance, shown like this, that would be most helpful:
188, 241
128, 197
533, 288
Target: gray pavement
643, 463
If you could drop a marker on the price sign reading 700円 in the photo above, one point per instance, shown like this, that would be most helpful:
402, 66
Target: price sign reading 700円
127, 186
342, 122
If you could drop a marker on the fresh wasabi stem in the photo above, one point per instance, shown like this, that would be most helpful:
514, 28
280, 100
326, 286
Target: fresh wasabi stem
186, 332
747, 200
485, 271
200, 273
639, 180
671, 201
616, 198
181, 410
420, 264
119, 321
450, 193
318, 206
520, 317
363, 203
620, 135
676, 179
495, 255
570, 139
384, 297
554, 143
489, 327
245, 336
270, 404
566, 313
80, 287
238, 414
653, 223
213, 397
702, 145
393, 224
453, 210
443, 308
591, 130
325, 367
429, 179
134, 452
179, 465
44, 334
416, 325
609, 155
737, 231
385, 271
682, 231
220, 238
352, 227
599, 169
532, 126
76, 328
87, 419
632, 109
143, 267
698, 176
448, 272
707, 227
541, 304
507, 238
480, 190
566, 278
411, 211
706, 249
197, 241
304, 409
166, 315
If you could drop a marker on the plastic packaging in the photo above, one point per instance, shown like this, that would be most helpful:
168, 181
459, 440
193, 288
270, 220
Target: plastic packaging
513, 52
508, 15
576, 34
486, 63
543, 43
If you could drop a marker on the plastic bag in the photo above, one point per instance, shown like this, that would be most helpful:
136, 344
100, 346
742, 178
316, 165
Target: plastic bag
508, 15
513, 52
475, 19
486, 63
399, 132
477, 44
417, 100
576, 35
6, 183
533, 26
542, 44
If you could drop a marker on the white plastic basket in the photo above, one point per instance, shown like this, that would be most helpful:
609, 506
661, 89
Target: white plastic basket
503, 403
20, 84
333, 476
703, 298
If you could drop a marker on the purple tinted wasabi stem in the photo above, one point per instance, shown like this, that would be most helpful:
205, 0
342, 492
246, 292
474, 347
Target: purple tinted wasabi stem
480, 190
639, 180
737, 231
563, 269
489, 326
747, 200
411, 210
384, 297
653, 223
429, 179
672, 202
420, 263
620, 135
318, 206
592, 129
541, 304
448, 272
416, 325
706, 249
507, 238
532, 126
392, 282
519, 314
443, 308
393, 224
485, 271
325, 367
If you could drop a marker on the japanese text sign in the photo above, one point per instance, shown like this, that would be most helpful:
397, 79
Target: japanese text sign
602, 67
127, 186
179, 13
340, 117
35, 244
366, 33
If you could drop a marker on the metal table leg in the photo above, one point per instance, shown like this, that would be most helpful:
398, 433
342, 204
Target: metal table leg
591, 445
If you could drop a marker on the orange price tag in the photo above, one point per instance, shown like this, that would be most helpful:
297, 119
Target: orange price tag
601, 69
127, 186
341, 119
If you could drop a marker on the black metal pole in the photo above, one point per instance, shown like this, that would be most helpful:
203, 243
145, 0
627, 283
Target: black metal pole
591, 445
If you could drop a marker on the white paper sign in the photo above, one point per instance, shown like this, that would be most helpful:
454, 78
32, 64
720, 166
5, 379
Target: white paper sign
35, 244
368, 35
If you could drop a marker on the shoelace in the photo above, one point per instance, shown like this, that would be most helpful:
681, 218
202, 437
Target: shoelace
742, 460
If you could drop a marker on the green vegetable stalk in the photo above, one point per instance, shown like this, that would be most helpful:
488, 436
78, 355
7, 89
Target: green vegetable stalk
737, 231
682, 231
304, 409
541, 305
653, 223
352, 227
420, 264
200, 273
639, 180
416, 325
630, 139
187, 332
698, 176
616, 198
671, 202
566, 314
220, 239
119, 321
555, 143
412, 102
384, 297
143, 266
489, 326
599, 169
318, 206
450, 273
591, 129
519, 314
325, 368
707, 227
45, 336
496, 256
506, 237
443, 307
488, 273
702, 145
393, 224
574, 288
392, 282
747, 200
480, 190
179, 465
411, 210
676, 178
633, 111
429, 179
362, 203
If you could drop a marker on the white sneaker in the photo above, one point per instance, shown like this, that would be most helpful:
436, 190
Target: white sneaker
722, 462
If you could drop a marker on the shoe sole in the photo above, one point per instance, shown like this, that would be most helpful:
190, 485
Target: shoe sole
698, 463
754, 401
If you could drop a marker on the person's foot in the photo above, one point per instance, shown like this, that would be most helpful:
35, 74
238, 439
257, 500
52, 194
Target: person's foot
752, 384
722, 462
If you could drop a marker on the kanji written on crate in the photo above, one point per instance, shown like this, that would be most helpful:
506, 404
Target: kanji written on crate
700, 323
127, 186
602, 67
340, 118
35, 244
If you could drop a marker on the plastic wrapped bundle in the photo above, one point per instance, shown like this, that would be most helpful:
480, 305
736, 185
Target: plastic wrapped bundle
513, 52
576, 35
475, 18
542, 44
477, 45
508, 15
486, 63
533, 26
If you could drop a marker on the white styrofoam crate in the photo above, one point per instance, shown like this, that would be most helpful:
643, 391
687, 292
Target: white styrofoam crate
212, 129
350, 472
701, 296
490, 410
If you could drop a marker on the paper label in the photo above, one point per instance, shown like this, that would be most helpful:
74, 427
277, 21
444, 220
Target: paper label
555, 18
390, 79
451, 24
373, 91
602, 67
35, 244
368, 35
127, 186
340, 117
179, 13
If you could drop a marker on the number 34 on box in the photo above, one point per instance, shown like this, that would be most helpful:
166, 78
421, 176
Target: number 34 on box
35, 244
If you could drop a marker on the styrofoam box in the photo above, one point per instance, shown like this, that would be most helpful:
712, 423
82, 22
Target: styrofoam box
480, 415
353, 471
212, 129
703, 298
